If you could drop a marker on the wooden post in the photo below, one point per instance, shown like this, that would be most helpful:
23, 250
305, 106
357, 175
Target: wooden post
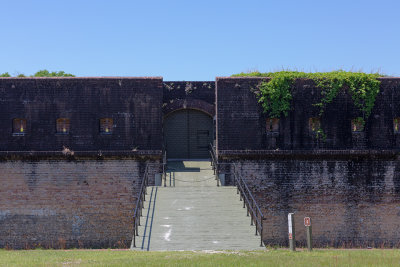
307, 224
292, 239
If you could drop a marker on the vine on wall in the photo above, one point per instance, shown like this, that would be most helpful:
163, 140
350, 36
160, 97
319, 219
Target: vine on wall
275, 94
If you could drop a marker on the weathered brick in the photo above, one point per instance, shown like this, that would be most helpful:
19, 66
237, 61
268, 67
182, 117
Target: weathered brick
349, 184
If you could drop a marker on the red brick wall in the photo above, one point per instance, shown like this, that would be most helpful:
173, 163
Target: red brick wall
353, 201
59, 203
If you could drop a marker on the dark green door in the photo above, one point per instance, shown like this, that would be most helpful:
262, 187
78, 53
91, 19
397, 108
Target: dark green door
187, 134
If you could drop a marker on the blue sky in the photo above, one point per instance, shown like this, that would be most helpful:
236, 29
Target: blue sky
198, 40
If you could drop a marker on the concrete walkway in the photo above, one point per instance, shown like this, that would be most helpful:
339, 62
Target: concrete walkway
195, 214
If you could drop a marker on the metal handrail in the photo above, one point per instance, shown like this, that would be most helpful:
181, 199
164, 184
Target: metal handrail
214, 163
249, 202
139, 205
142, 198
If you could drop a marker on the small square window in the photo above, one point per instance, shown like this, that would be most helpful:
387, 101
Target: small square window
106, 125
272, 125
357, 124
396, 125
314, 124
19, 126
63, 126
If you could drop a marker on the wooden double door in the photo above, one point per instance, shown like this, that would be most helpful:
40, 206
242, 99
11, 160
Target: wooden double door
187, 134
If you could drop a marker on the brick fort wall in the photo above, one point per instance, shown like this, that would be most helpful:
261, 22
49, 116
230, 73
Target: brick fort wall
349, 184
62, 204
75, 189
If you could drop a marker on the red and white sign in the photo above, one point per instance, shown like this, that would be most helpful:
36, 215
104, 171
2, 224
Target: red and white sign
290, 236
307, 221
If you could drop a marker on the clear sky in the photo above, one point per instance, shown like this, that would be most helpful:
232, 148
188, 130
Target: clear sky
198, 40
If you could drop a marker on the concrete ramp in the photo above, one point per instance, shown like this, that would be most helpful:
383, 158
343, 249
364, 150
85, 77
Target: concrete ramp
195, 214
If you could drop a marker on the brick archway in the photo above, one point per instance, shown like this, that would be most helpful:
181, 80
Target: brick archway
189, 104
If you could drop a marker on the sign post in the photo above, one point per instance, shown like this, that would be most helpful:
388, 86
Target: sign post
292, 240
307, 224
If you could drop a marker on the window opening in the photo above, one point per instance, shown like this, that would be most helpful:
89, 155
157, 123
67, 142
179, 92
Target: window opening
357, 125
63, 125
396, 125
19, 126
106, 125
314, 124
272, 125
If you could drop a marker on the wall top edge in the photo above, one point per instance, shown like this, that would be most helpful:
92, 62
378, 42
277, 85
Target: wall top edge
263, 78
189, 81
84, 78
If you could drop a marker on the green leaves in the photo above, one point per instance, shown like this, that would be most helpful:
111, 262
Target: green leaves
46, 73
276, 94
42, 73
5, 74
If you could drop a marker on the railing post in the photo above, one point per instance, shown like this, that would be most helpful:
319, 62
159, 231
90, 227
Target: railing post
134, 233
262, 231
292, 238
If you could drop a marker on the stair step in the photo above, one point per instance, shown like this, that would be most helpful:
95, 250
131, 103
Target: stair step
198, 215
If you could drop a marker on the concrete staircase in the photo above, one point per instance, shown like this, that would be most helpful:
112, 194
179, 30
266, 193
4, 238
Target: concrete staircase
195, 214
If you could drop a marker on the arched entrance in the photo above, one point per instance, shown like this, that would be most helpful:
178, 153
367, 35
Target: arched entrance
187, 134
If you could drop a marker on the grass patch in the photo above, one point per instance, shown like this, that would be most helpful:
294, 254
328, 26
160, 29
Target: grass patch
280, 257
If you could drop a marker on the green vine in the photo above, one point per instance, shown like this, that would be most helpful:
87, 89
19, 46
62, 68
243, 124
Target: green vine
275, 94
362, 87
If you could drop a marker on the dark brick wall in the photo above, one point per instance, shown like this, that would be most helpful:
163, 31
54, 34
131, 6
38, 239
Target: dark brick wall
353, 199
58, 203
134, 104
195, 95
241, 121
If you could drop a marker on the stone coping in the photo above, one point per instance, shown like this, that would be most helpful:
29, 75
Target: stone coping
99, 154
84, 78
265, 77
308, 153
